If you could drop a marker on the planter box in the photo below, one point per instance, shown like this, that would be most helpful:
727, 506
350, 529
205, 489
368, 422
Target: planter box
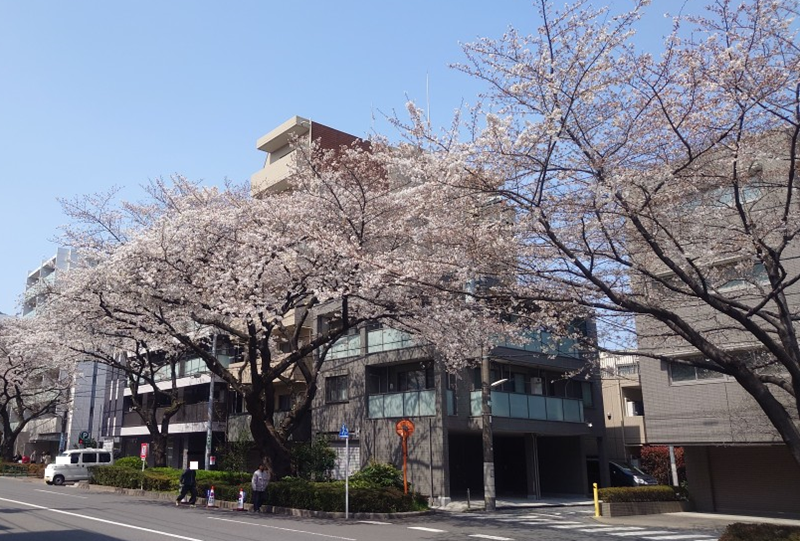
624, 509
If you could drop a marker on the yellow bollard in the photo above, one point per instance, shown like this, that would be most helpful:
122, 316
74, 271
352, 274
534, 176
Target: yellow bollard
596, 501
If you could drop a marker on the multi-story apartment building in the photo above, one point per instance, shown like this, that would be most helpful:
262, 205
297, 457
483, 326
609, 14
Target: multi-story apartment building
84, 412
624, 407
735, 460
198, 429
547, 426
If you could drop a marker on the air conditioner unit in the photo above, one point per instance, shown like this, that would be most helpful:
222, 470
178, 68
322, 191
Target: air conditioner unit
536, 386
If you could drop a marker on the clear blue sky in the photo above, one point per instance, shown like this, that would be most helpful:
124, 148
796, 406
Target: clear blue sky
100, 93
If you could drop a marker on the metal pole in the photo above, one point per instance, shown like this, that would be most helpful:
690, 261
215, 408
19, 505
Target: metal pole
210, 409
673, 465
490, 501
347, 478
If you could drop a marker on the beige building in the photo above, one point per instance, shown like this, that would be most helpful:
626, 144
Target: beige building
624, 407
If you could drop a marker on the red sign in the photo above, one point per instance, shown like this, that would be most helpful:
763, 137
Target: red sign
143, 452
212, 460
404, 427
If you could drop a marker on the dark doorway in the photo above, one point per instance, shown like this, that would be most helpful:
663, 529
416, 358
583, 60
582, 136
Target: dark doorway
466, 464
510, 466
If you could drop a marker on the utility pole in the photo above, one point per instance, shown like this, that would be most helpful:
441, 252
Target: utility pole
210, 411
489, 497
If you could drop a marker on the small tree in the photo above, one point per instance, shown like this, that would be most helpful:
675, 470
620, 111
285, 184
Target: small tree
314, 460
655, 461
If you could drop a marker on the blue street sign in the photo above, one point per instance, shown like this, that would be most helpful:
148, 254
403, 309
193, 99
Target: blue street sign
344, 433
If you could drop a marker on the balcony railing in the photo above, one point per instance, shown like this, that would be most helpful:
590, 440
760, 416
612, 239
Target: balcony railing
408, 404
546, 343
527, 406
191, 413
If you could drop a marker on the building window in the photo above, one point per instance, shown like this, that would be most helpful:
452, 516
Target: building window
336, 389
285, 402
681, 373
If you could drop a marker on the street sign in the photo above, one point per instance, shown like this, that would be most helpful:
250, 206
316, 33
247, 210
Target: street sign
84, 435
404, 427
143, 452
344, 433
212, 460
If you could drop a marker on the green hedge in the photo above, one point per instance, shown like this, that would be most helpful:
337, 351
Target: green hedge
293, 493
760, 532
658, 493
301, 494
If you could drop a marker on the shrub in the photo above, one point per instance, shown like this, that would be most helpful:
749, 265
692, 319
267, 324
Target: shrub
302, 494
129, 462
314, 461
378, 474
760, 532
655, 461
659, 493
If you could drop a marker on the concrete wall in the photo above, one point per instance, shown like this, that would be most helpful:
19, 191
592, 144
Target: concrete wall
743, 479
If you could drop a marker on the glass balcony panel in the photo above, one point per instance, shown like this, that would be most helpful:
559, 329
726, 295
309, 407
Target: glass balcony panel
475, 403
427, 402
519, 406
573, 411
555, 409
410, 404
537, 408
387, 340
500, 404
393, 405
346, 346
375, 407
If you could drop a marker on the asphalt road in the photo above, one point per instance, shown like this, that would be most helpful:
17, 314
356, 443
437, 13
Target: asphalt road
32, 511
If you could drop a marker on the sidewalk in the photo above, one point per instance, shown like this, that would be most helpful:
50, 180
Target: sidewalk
684, 520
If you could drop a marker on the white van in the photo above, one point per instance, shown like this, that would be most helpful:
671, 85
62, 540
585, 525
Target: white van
73, 465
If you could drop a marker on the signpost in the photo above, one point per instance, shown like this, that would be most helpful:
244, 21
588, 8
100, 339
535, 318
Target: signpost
143, 456
344, 434
404, 429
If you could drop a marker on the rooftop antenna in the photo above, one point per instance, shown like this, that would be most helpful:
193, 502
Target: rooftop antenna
428, 98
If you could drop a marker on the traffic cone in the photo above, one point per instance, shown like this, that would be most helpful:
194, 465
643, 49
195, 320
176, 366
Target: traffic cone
240, 501
211, 500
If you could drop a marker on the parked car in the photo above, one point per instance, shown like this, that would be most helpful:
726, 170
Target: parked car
74, 465
625, 475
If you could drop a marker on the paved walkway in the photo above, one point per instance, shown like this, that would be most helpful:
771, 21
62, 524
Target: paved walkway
684, 520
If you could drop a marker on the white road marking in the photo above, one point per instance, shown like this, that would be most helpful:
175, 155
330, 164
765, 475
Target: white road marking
61, 494
612, 529
651, 532
374, 522
569, 526
546, 522
104, 521
496, 538
282, 529
434, 530
682, 536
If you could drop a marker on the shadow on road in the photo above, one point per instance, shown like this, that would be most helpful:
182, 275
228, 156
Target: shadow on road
60, 535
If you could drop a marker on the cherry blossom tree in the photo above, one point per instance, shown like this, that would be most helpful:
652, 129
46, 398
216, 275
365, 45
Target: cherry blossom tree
655, 189
283, 277
33, 383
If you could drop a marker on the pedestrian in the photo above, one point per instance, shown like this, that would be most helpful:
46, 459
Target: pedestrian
46, 458
188, 486
33, 457
259, 485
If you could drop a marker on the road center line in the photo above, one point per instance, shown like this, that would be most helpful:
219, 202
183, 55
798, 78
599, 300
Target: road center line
283, 529
104, 521
61, 494
494, 537
422, 528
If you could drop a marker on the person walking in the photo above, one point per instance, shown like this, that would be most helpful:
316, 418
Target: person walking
188, 486
259, 485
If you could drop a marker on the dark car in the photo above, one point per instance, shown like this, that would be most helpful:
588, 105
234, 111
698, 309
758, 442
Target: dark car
625, 475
